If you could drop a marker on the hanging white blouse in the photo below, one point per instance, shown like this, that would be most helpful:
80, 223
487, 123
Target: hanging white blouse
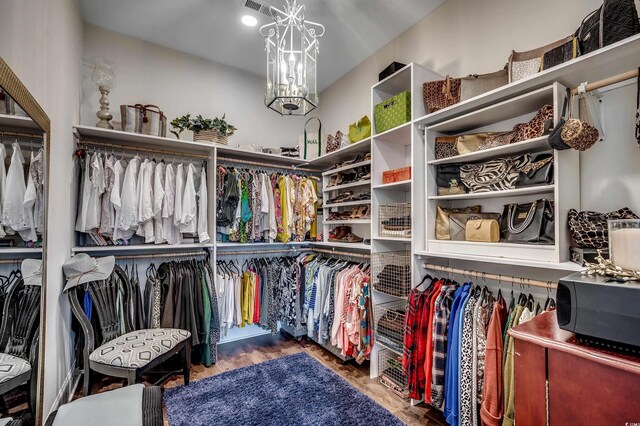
29, 204
95, 195
147, 203
203, 222
119, 170
3, 183
179, 195
188, 220
85, 192
107, 213
171, 232
158, 198
128, 218
14, 214
273, 225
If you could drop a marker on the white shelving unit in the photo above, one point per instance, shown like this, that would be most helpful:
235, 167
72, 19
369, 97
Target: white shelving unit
142, 248
17, 122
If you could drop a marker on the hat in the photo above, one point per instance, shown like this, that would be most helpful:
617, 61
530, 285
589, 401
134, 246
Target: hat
32, 271
83, 268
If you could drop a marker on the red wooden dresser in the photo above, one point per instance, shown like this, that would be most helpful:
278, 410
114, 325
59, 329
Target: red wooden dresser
586, 385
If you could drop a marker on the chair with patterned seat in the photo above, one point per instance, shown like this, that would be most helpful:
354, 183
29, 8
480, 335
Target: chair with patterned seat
122, 351
19, 340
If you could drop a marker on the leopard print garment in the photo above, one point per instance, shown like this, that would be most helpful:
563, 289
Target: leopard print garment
467, 398
536, 127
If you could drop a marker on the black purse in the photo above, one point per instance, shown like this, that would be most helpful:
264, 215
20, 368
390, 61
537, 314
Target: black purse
615, 20
538, 172
555, 137
449, 181
530, 223
567, 51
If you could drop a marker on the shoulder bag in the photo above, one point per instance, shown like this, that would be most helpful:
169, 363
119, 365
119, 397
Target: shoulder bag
441, 94
311, 141
482, 231
524, 64
476, 84
360, 130
590, 229
495, 175
567, 51
530, 223
443, 222
458, 225
449, 180
145, 119
538, 172
445, 147
615, 20
555, 137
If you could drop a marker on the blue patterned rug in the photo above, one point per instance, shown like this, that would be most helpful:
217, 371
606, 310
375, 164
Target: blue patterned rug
292, 390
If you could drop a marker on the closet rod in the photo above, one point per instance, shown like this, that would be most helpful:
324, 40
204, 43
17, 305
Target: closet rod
245, 252
141, 149
608, 81
161, 255
483, 275
257, 163
342, 253
21, 135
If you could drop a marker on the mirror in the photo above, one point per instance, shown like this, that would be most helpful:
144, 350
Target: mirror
24, 131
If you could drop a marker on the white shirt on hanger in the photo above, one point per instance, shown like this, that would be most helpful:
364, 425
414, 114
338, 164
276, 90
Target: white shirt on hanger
158, 199
273, 225
147, 202
85, 193
95, 195
171, 232
14, 213
128, 218
179, 195
119, 170
203, 222
188, 220
3, 184
29, 204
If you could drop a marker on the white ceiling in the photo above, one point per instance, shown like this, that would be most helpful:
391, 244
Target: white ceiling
211, 29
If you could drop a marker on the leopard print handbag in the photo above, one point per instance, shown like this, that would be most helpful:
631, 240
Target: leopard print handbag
590, 229
538, 126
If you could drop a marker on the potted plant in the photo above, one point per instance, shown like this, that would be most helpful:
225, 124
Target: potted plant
215, 130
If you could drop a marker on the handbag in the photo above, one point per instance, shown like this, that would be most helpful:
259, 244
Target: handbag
569, 50
445, 147
495, 175
441, 94
482, 231
555, 137
590, 229
524, 64
466, 144
310, 144
332, 144
578, 134
458, 223
530, 223
615, 20
538, 126
538, 172
145, 119
476, 84
497, 139
449, 180
443, 223
360, 130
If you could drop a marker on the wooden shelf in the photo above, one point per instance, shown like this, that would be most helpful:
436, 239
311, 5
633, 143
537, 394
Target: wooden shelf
531, 145
562, 266
346, 153
262, 157
142, 248
540, 189
347, 185
400, 135
20, 251
404, 186
347, 222
400, 239
615, 59
144, 141
19, 123
347, 204
348, 167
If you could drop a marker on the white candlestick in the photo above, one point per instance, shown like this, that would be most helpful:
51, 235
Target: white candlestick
625, 248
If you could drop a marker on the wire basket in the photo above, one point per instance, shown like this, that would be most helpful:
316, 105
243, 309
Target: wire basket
391, 374
389, 329
212, 135
395, 220
391, 272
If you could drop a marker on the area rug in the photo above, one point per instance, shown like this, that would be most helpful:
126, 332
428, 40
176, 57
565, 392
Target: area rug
292, 390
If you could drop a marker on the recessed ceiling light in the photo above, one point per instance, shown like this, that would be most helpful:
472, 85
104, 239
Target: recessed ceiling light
249, 21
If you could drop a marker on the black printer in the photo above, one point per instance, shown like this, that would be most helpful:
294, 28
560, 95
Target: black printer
600, 311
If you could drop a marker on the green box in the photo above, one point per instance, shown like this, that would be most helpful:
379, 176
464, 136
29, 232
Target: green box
393, 112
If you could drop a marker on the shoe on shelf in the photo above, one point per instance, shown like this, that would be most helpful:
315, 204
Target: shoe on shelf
367, 156
339, 233
351, 238
360, 212
342, 198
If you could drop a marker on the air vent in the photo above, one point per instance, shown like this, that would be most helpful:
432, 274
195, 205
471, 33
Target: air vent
258, 7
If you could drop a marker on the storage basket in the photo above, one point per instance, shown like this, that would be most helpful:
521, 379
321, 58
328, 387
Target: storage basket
391, 272
393, 112
391, 374
396, 175
389, 328
211, 136
394, 220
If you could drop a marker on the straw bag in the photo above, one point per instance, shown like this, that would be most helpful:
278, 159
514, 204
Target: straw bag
145, 119
578, 134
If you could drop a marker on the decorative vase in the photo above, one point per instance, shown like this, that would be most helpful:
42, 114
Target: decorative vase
212, 135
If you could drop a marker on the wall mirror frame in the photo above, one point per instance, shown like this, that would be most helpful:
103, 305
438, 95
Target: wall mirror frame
16, 90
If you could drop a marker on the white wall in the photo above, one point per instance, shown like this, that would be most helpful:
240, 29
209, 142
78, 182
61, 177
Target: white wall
464, 37
42, 42
180, 83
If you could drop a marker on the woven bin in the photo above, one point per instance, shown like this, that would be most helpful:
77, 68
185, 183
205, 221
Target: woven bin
211, 136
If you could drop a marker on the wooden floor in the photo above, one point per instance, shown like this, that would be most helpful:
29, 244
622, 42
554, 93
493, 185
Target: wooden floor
256, 350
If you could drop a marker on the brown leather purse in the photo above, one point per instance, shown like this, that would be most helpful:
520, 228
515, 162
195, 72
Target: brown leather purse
441, 94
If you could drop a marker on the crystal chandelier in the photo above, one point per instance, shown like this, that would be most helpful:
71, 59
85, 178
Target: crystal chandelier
292, 50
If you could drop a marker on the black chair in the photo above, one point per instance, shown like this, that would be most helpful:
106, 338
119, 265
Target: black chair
123, 351
19, 340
